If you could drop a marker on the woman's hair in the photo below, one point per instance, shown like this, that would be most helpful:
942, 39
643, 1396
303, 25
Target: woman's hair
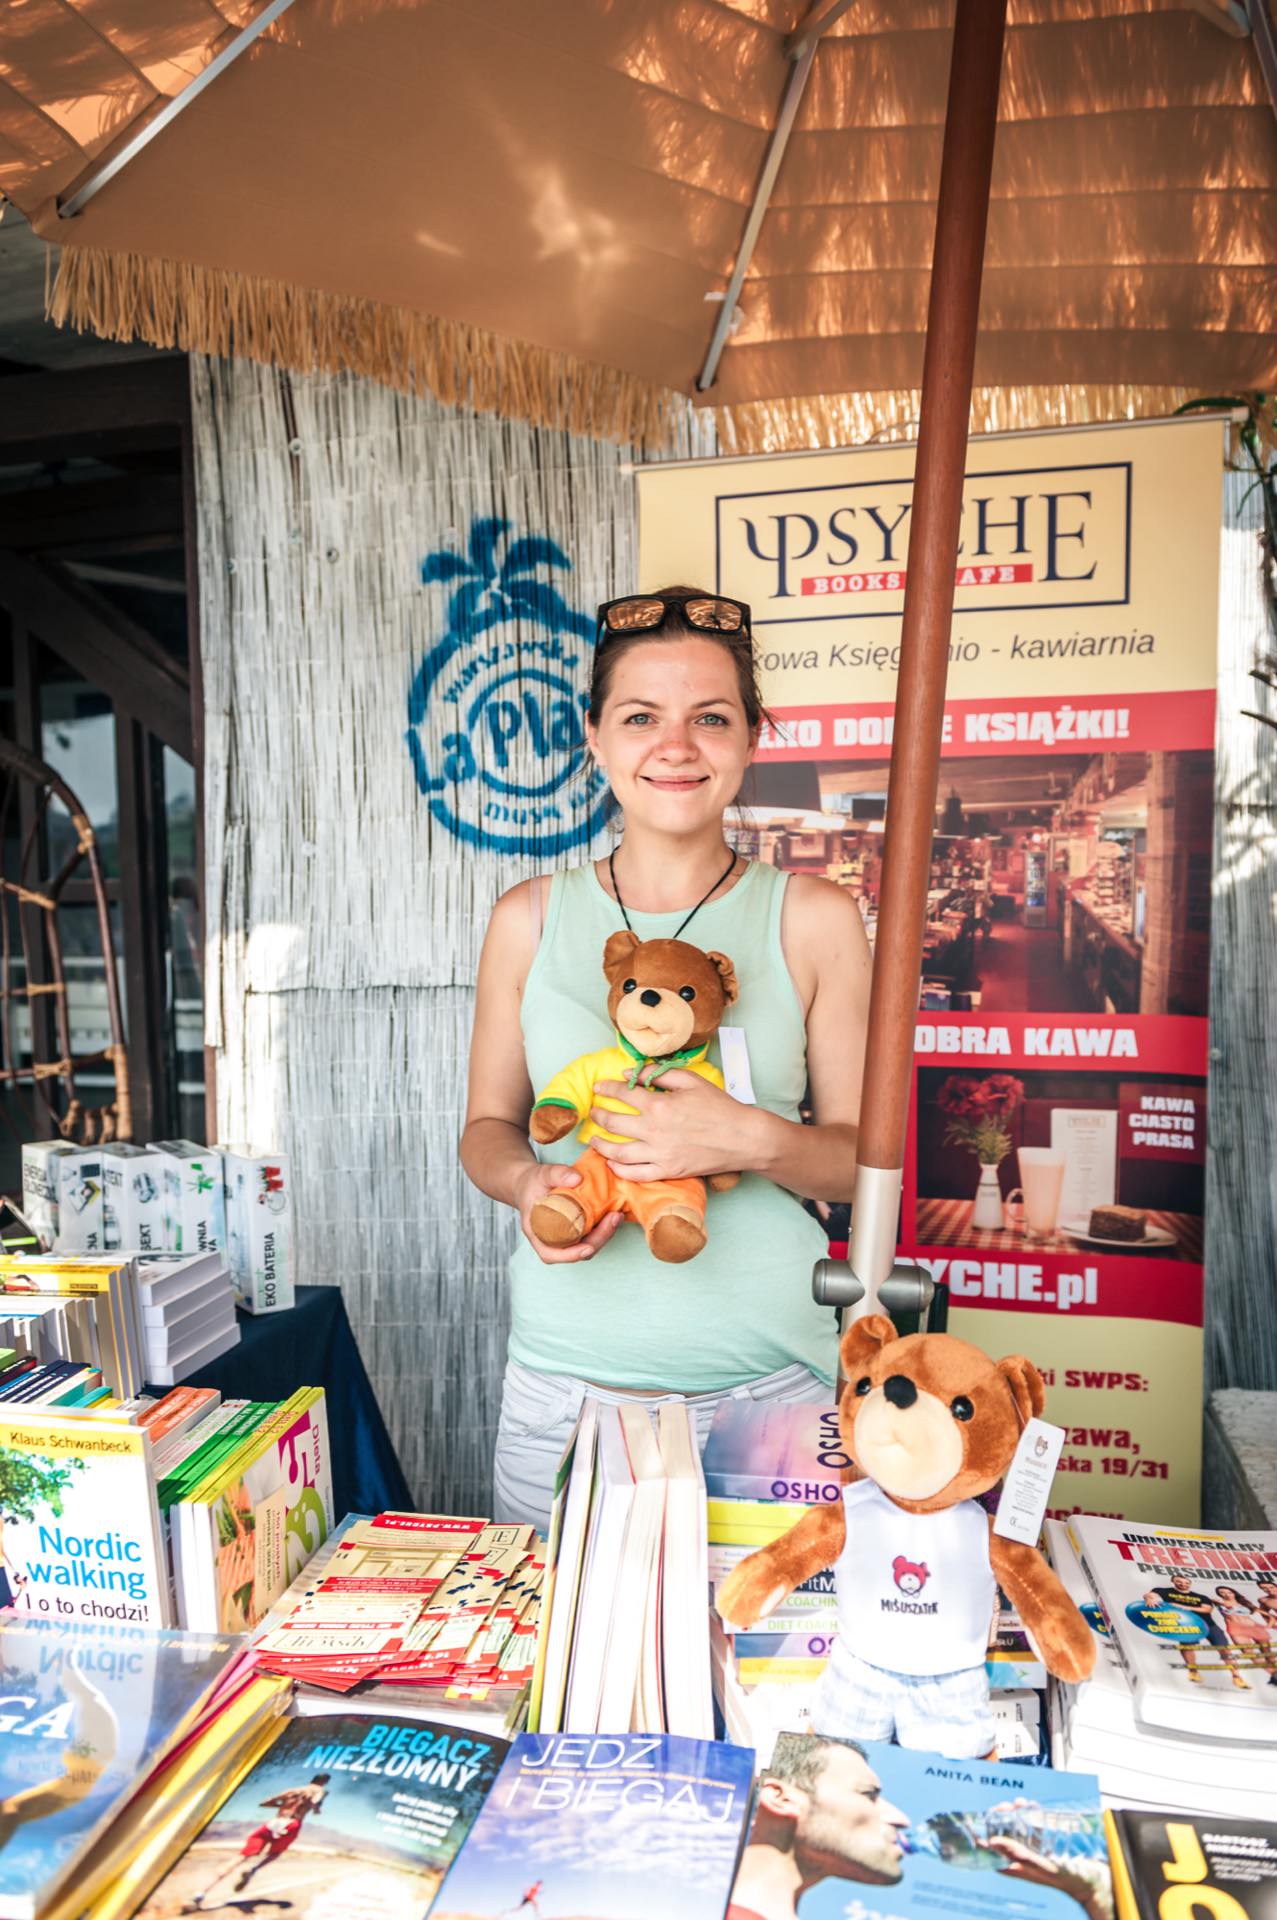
740, 646
1240, 1598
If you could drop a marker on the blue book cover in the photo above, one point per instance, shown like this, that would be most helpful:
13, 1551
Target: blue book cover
84, 1713
601, 1827
346, 1817
846, 1830
769, 1451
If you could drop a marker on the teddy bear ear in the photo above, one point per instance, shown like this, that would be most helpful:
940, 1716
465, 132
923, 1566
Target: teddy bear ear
1025, 1382
862, 1340
727, 973
617, 951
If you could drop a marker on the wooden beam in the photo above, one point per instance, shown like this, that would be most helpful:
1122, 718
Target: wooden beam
104, 645
127, 508
90, 410
952, 317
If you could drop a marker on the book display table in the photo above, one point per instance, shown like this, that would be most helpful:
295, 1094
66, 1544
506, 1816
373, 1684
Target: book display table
311, 1344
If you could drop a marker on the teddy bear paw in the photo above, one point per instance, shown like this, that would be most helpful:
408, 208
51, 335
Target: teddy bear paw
558, 1220
677, 1234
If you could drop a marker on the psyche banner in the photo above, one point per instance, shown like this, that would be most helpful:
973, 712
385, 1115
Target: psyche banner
1054, 1170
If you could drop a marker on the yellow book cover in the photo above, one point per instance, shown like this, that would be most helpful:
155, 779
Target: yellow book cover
211, 1765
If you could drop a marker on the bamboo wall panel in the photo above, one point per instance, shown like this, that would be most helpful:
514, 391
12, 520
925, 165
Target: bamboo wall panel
1241, 1158
344, 920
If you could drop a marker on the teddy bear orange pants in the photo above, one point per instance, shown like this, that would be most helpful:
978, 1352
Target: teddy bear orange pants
602, 1190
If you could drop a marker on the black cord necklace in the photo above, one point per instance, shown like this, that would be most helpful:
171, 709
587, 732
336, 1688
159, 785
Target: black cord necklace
611, 867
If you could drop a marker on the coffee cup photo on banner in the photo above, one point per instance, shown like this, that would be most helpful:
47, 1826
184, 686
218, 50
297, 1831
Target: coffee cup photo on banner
1054, 1167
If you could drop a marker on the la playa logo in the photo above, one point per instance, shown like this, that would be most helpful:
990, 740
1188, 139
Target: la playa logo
496, 710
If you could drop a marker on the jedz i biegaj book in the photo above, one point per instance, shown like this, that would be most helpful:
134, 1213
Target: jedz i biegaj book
344, 1816
593, 1827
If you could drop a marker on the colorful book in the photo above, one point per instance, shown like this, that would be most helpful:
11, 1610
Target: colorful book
1167, 1865
1194, 1618
246, 1530
111, 1284
609, 1828
751, 1523
761, 1451
342, 1815
80, 1534
88, 1711
912, 1836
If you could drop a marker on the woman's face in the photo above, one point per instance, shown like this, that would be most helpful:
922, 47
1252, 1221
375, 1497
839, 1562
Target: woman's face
673, 734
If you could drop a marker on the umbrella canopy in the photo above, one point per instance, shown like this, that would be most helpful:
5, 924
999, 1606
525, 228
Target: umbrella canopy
385, 183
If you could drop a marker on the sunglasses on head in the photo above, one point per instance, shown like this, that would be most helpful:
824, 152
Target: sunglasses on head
645, 612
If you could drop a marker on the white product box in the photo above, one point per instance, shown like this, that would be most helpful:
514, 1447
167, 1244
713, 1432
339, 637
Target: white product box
41, 1173
259, 1229
81, 1223
194, 1208
132, 1198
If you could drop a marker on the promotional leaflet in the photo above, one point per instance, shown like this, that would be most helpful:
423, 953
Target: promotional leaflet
1055, 1165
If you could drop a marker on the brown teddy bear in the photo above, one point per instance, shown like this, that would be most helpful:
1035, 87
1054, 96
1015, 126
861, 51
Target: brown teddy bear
665, 999
930, 1423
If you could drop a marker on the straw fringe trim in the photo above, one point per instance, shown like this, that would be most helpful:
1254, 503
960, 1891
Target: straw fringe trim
174, 303
852, 419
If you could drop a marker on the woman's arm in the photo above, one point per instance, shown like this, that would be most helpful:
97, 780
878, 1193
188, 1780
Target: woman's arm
704, 1131
495, 1150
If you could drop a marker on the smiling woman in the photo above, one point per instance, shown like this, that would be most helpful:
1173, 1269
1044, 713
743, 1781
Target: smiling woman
673, 722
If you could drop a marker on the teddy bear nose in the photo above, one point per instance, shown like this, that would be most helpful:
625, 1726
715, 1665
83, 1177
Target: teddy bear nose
900, 1390
650, 997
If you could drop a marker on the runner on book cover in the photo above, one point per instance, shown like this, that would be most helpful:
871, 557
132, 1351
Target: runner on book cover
529, 1900
272, 1838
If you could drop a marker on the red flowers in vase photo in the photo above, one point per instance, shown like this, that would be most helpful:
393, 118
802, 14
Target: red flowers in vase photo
979, 1107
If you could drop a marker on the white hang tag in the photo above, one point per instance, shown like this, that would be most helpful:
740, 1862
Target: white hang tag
1026, 1488
735, 1058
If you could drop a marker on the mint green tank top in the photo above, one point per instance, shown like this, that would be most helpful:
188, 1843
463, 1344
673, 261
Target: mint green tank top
743, 1307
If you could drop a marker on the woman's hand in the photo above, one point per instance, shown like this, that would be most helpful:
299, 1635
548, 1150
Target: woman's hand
689, 1127
532, 1185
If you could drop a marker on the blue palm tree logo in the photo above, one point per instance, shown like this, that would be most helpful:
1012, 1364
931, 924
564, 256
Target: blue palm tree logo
496, 710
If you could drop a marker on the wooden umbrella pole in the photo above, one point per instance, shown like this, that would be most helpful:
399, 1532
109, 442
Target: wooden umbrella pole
953, 310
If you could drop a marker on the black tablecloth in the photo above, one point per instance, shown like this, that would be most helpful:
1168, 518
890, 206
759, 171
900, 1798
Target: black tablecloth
311, 1345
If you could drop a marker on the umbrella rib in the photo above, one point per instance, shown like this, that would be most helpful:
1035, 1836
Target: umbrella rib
75, 202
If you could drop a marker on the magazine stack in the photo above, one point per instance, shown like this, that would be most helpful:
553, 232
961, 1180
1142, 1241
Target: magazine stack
1181, 1710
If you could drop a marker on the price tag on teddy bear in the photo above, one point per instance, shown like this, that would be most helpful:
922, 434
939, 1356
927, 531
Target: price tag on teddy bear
735, 1057
1026, 1488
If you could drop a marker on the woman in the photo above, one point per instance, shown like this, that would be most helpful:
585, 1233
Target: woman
1247, 1628
673, 721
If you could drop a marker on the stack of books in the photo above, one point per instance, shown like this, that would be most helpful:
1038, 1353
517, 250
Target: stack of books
1181, 1710
187, 1306
424, 1613
187, 1511
116, 1745
765, 1466
625, 1646
58, 1307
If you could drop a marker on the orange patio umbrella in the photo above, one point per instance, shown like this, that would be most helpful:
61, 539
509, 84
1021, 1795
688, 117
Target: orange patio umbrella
578, 211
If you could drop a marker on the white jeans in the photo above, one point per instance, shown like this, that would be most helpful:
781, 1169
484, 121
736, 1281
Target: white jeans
539, 1410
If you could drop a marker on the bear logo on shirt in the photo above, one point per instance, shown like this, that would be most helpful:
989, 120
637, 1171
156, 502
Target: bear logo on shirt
910, 1576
